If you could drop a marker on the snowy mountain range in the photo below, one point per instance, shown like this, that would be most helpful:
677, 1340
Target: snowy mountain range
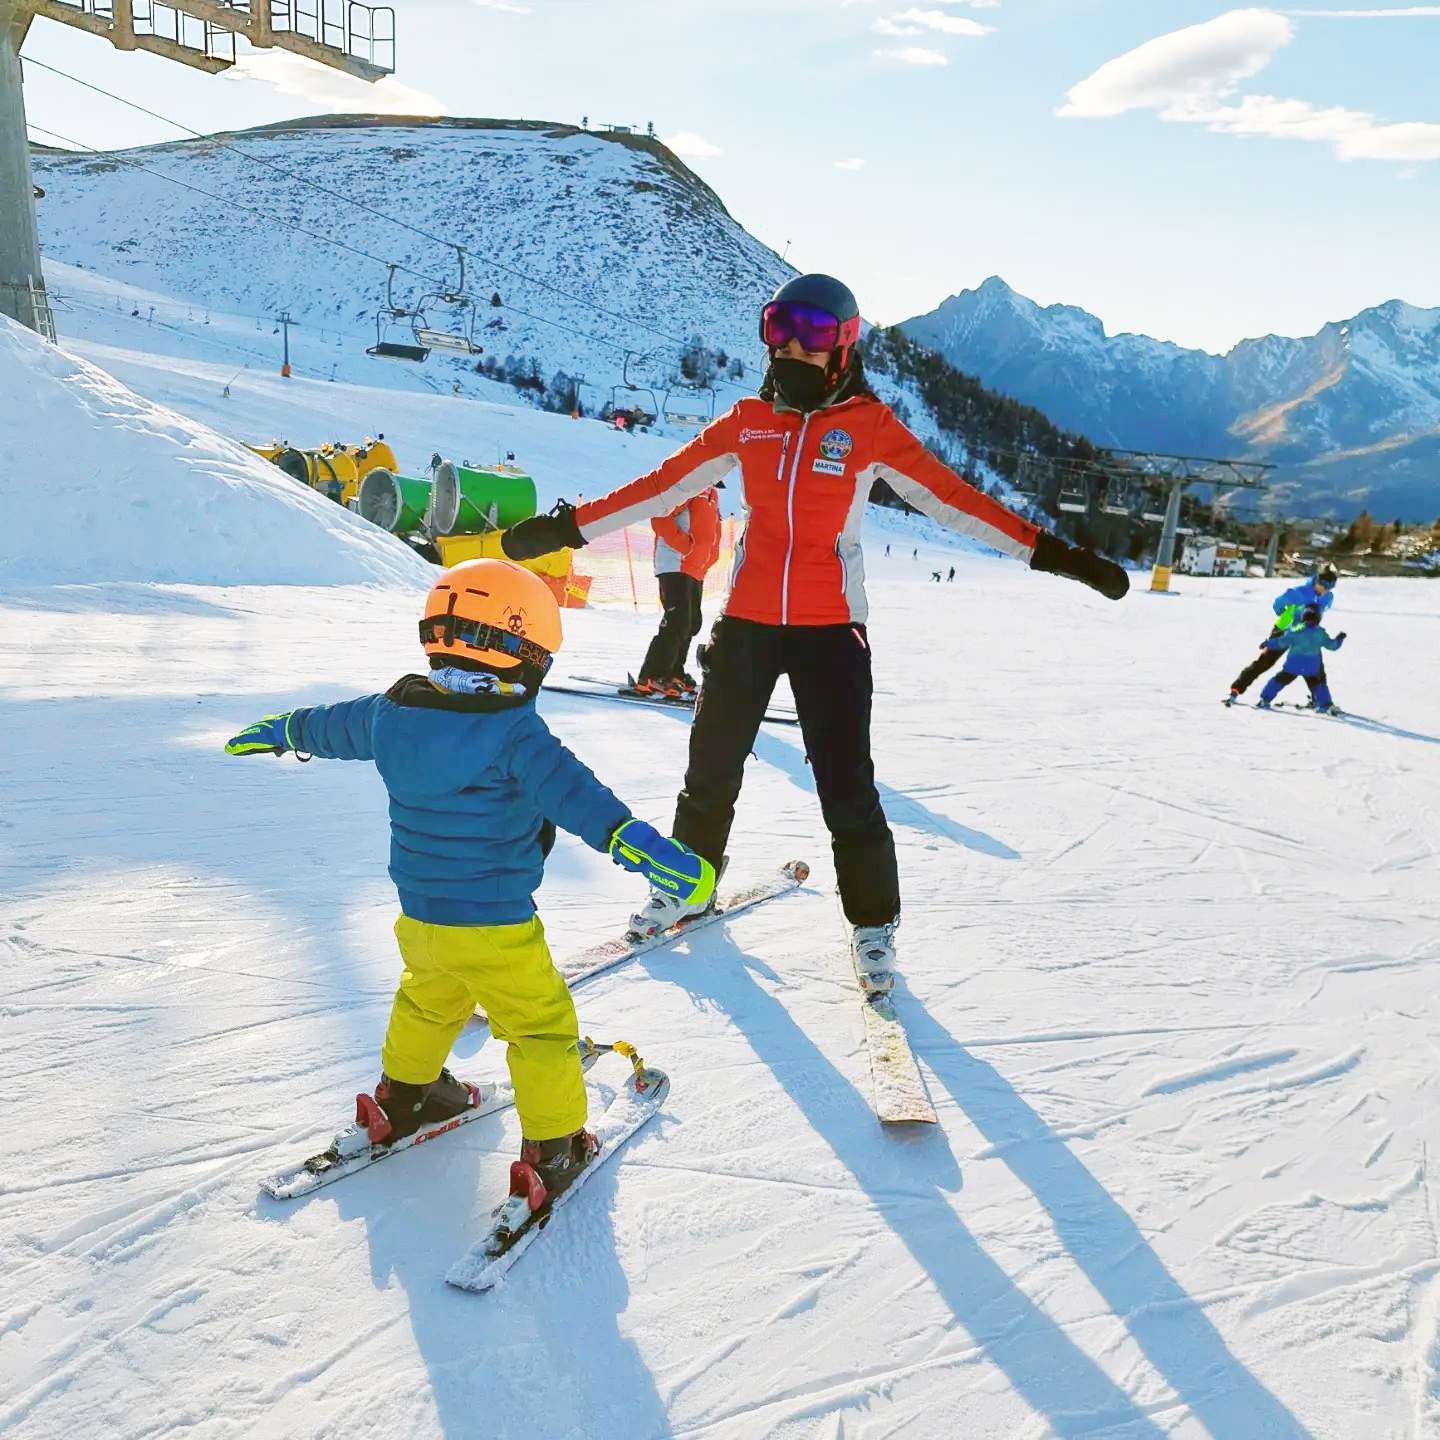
1351, 415
607, 255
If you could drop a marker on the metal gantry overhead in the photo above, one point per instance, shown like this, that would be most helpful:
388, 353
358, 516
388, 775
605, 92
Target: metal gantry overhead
342, 34
1174, 473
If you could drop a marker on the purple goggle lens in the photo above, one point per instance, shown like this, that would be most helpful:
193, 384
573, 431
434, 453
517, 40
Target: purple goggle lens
817, 330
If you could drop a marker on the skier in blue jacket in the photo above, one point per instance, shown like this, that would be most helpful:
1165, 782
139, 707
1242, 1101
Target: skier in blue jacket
1304, 646
477, 784
1318, 590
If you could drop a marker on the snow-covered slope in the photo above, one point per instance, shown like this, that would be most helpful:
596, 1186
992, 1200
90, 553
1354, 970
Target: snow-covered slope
1170, 971
102, 486
1351, 414
597, 244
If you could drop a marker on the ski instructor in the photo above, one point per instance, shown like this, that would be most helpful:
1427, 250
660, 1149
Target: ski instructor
808, 449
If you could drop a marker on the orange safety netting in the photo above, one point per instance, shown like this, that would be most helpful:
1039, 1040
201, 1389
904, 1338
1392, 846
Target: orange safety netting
619, 568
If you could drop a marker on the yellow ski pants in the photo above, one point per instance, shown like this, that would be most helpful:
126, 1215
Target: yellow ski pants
506, 969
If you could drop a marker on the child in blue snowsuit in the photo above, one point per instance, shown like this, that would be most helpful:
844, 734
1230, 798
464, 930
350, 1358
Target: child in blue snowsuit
1319, 590
477, 785
1305, 645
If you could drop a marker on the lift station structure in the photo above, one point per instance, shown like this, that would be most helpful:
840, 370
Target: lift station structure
342, 34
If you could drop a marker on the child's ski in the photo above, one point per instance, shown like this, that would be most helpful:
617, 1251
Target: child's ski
352, 1151
620, 951
515, 1225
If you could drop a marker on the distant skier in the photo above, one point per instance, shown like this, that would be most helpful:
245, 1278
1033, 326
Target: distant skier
687, 544
951, 575
1318, 590
1305, 645
477, 783
808, 448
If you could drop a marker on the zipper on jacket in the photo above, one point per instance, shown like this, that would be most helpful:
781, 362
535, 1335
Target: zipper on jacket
790, 517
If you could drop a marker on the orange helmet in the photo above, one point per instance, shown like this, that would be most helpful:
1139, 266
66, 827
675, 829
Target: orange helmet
493, 613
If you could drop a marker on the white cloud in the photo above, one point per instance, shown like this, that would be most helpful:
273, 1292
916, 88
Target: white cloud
504, 5
1191, 77
697, 147
889, 27
331, 90
1185, 67
851, 164
946, 24
914, 55
1355, 134
974, 4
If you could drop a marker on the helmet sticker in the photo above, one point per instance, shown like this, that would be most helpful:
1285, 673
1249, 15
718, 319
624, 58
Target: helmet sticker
515, 621
836, 444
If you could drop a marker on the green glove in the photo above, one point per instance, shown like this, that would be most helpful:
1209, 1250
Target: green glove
269, 736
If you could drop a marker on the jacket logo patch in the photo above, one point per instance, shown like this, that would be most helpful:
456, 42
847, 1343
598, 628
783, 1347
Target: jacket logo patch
836, 444
746, 436
829, 467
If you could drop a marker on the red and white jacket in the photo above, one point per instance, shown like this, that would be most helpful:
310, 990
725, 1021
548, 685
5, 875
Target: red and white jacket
689, 540
805, 480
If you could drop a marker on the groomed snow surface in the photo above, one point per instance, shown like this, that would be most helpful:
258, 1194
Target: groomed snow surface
1170, 971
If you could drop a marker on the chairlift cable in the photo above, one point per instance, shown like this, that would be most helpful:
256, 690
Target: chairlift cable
350, 200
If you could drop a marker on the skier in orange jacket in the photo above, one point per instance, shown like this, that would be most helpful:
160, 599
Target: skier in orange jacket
687, 544
808, 449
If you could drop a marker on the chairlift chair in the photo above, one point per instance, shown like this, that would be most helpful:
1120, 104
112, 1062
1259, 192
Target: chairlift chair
1074, 497
384, 349
461, 339
1118, 502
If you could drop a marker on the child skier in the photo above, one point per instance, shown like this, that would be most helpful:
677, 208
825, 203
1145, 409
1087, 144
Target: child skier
808, 449
1318, 590
1305, 644
477, 783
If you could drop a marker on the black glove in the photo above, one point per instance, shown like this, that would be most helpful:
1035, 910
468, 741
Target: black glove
1053, 555
1339, 637
543, 534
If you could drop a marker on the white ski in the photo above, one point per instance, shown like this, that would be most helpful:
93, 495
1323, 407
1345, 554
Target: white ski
897, 1090
351, 1150
619, 951
515, 1227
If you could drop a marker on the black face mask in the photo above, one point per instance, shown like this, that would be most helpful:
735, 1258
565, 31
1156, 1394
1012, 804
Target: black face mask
802, 386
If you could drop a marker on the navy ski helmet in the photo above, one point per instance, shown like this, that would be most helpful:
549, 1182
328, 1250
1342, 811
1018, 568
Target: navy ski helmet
802, 309
1327, 577
1311, 615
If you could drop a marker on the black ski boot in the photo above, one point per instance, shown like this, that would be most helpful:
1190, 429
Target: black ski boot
547, 1167
400, 1109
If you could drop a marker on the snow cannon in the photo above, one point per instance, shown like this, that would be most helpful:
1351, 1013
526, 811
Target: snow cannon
397, 503
470, 501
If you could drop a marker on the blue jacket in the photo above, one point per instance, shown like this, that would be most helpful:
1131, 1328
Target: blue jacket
1298, 597
1305, 644
469, 795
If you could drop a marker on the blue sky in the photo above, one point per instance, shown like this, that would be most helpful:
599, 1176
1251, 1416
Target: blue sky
1191, 171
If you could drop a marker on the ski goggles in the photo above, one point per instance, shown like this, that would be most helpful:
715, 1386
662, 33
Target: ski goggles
478, 635
817, 330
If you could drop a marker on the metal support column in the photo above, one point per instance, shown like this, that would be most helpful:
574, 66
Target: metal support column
1272, 550
1165, 556
22, 286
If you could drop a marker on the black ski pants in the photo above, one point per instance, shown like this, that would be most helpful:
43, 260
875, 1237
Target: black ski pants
680, 624
829, 670
1257, 667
